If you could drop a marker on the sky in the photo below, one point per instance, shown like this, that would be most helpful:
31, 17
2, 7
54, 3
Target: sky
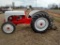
34, 3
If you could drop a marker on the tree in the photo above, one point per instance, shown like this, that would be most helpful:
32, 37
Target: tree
53, 6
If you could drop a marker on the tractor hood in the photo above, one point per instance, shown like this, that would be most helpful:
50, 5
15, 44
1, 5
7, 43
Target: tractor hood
21, 12
10, 13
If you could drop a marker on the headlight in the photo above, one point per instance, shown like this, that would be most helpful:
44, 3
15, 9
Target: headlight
10, 18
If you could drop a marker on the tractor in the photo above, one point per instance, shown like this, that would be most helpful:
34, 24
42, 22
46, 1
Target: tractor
40, 21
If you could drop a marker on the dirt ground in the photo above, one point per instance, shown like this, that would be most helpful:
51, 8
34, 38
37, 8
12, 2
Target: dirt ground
25, 36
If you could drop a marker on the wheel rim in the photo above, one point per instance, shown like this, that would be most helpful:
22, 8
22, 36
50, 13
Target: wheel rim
41, 24
8, 28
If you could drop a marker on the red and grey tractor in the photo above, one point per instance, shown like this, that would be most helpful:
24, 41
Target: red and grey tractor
40, 21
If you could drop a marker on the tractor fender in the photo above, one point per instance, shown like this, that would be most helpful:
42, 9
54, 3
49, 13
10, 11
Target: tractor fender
33, 12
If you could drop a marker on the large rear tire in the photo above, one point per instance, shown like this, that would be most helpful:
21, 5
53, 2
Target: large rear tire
40, 22
8, 27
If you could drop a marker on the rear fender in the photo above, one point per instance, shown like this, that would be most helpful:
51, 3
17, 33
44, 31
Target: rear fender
33, 12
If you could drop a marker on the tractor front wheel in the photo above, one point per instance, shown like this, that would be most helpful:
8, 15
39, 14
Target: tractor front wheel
8, 27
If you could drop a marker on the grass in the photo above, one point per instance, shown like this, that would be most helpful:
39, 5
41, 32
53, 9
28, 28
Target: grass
56, 11
57, 19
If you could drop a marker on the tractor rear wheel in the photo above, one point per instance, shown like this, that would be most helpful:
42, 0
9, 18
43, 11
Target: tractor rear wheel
8, 27
40, 23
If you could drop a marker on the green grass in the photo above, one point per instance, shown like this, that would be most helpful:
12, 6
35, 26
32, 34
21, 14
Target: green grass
56, 11
57, 19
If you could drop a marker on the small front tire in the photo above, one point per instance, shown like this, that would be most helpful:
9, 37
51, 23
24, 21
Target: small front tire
8, 27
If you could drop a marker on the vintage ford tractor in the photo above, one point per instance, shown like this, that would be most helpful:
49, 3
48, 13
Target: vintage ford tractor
40, 21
